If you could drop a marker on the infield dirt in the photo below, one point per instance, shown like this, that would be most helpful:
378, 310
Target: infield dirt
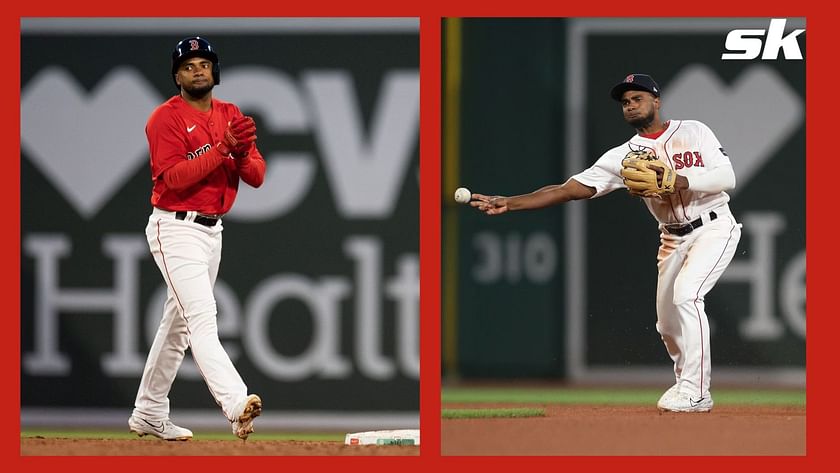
151, 447
628, 430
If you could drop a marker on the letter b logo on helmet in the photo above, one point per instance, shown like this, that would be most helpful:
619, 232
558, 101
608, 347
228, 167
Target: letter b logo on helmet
194, 46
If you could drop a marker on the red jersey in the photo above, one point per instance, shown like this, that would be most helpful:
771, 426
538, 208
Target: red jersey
178, 132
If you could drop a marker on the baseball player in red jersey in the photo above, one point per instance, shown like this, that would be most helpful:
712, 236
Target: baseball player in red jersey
200, 148
685, 193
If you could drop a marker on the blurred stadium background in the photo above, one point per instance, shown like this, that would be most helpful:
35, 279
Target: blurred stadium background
318, 291
562, 295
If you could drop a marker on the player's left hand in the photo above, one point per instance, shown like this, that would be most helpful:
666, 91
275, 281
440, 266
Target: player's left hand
244, 132
647, 176
238, 136
491, 205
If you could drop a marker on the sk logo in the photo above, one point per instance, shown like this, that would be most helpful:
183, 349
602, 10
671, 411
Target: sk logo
739, 40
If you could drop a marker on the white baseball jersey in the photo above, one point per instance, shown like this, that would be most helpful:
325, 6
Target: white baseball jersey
689, 147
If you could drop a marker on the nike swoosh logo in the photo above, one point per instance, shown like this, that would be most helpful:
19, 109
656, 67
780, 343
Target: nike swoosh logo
190, 128
157, 428
695, 403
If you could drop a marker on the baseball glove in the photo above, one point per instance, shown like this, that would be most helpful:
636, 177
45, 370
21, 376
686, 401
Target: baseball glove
646, 175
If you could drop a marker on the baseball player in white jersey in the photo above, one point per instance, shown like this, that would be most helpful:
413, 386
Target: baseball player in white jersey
200, 147
698, 233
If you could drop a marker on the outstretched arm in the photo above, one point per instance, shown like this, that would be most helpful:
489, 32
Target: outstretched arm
543, 197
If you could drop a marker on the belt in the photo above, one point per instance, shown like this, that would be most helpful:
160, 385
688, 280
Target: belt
682, 229
206, 221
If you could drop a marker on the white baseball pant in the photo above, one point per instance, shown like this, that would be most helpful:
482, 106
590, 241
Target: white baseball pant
188, 256
689, 266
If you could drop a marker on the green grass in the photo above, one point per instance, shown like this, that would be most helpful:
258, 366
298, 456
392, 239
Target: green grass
613, 396
486, 413
105, 434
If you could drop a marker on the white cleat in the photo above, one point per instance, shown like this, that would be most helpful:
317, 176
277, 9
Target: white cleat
681, 402
162, 429
244, 423
673, 390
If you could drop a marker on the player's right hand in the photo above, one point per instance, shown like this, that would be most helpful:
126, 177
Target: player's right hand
491, 205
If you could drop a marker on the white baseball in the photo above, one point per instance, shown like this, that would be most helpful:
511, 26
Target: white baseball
462, 195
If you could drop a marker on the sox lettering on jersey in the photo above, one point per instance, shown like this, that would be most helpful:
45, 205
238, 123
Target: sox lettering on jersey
687, 159
198, 152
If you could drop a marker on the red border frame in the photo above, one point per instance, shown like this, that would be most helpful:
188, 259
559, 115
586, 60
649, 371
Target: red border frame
823, 323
